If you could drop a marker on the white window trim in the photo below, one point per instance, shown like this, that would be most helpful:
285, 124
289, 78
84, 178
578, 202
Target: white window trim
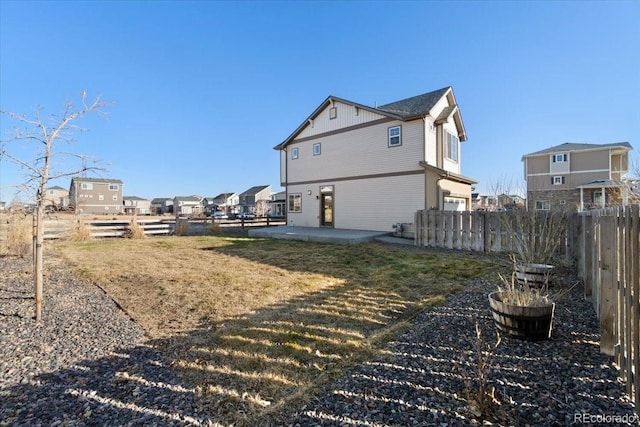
319, 149
449, 144
558, 180
294, 153
291, 197
399, 136
545, 205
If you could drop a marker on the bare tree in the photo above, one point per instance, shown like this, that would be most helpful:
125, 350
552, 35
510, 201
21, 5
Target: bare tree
46, 135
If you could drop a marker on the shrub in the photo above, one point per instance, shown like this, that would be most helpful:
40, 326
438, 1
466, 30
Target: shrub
81, 232
19, 235
135, 231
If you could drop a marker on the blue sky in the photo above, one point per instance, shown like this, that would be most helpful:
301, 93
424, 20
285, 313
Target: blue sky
202, 91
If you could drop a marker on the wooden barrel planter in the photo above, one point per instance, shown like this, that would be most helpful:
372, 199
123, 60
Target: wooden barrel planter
532, 323
534, 275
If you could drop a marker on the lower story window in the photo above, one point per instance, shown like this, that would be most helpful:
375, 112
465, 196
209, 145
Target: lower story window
543, 205
295, 202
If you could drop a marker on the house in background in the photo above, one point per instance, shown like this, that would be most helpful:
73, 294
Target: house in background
187, 205
209, 206
256, 200
227, 202
578, 176
95, 195
352, 166
161, 206
56, 198
278, 204
134, 205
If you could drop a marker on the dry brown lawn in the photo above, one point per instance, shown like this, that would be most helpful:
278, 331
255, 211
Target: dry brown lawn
256, 326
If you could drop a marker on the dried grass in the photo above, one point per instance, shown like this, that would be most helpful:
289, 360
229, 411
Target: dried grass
135, 230
81, 232
182, 227
19, 234
257, 325
512, 293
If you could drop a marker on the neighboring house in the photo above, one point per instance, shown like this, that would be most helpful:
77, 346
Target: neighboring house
483, 202
189, 205
56, 197
227, 202
256, 200
356, 167
134, 205
278, 204
95, 195
161, 206
578, 176
209, 205
3, 206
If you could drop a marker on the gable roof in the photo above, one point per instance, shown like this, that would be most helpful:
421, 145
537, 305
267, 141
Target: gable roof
134, 198
405, 109
223, 196
254, 190
571, 146
104, 180
416, 106
57, 187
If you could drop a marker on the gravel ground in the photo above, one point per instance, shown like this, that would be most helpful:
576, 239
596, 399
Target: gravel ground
87, 364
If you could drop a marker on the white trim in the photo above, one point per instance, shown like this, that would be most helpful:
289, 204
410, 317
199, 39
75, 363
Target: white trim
570, 173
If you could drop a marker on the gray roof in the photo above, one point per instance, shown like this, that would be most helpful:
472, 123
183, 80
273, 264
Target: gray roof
160, 199
133, 198
82, 179
57, 187
188, 198
254, 190
416, 105
572, 146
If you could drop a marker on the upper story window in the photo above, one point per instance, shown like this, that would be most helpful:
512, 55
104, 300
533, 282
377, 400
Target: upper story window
395, 136
113, 187
559, 158
333, 113
294, 153
451, 149
316, 149
557, 180
86, 186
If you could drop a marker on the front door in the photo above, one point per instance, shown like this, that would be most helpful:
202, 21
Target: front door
326, 206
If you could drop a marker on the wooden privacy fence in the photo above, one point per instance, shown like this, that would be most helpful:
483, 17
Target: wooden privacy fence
608, 259
605, 247
472, 231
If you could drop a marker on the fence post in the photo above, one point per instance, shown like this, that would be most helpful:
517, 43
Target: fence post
608, 282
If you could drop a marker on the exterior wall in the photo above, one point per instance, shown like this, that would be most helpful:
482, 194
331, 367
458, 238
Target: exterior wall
430, 147
346, 115
356, 153
362, 204
582, 167
590, 161
98, 200
58, 197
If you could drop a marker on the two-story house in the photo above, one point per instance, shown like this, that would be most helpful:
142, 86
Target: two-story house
96, 195
187, 205
256, 200
56, 198
161, 205
134, 205
352, 166
578, 176
227, 202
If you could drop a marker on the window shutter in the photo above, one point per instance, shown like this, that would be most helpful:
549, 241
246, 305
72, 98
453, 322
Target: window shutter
553, 158
551, 180
565, 158
563, 179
